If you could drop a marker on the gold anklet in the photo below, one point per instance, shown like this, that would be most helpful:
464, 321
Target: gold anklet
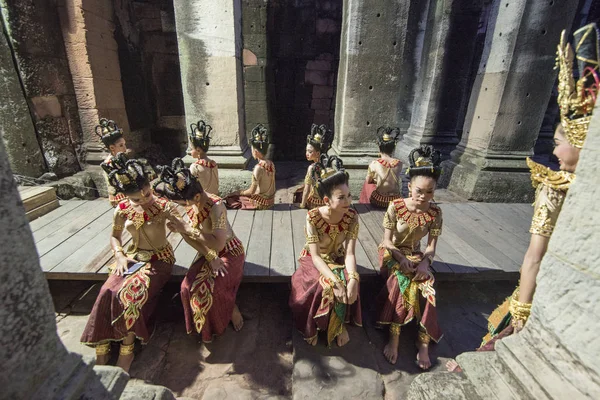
126, 349
424, 338
103, 349
395, 329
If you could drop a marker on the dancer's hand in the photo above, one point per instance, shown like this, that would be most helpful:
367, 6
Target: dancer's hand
122, 261
352, 291
218, 267
406, 266
339, 291
422, 272
176, 225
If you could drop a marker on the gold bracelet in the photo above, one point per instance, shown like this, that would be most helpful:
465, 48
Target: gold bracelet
118, 227
395, 329
354, 275
211, 255
126, 349
519, 311
118, 249
195, 233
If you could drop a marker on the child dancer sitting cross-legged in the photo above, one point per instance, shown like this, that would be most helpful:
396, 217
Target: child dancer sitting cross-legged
325, 288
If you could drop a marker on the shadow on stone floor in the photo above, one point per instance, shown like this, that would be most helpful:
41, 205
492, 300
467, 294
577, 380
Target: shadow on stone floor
257, 362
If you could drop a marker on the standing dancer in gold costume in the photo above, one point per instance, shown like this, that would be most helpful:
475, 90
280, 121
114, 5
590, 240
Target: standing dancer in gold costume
317, 142
576, 101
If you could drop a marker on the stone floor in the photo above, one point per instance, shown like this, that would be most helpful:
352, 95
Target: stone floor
268, 359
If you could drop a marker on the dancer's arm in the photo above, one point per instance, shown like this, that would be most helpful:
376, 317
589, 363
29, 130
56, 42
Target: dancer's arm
307, 184
254, 184
116, 244
531, 266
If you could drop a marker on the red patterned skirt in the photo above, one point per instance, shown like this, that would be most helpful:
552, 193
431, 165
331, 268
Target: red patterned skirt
252, 202
126, 303
208, 301
311, 202
314, 306
401, 299
369, 194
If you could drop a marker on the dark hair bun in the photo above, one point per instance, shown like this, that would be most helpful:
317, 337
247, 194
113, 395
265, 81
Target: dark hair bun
177, 182
320, 138
329, 172
425, 161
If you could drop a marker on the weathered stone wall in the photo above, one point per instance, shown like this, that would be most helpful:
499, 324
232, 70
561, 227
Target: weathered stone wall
24, 151
47, 84
297, 45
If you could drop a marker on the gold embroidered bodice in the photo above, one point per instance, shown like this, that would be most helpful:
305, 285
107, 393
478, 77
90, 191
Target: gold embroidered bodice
330, 237
210, 217
386, 175
264, 176
551, 190
309, 180
207, 172
409, 228
152, 220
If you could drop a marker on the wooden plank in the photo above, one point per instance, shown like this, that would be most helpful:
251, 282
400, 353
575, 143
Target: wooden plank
368, 243
298, 236
502, 223
471, 246
489, 232
503, 231
65, 207
89, 233
243, 226
370, 221
42, 210
231, 216
506, 214
259, 244
72, 228
37, 197
66, 219
282, 262
363, 264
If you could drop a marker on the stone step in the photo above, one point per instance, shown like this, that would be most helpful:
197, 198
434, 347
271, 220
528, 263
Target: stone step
110, 381
491, 378
42, 210
536, 372
433, 386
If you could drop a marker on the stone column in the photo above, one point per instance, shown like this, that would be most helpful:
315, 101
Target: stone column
442, 82
376, 73
508, 100
88, 32
209, 40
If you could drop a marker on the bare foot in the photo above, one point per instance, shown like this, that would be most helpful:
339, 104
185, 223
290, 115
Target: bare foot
125, 362
236, 319
343, 338
102, 360
313, 340
390, 351
423, 356
452, 366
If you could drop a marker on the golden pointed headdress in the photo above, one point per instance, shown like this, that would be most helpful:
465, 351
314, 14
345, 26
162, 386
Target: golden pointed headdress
108, 132
320, 137
200, 135
387, 134
577, 99
259, 138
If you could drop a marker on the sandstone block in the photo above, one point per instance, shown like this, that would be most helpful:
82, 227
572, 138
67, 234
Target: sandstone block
44, 106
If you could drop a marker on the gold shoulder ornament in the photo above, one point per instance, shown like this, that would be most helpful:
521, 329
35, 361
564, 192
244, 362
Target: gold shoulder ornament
557, 180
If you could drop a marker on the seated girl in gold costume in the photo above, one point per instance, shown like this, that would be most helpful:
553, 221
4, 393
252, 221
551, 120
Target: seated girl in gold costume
384, 182
127, 299
261, 193
204, 169
409, 293
325, 287
210, 286
576, 101
112, 137
317, 142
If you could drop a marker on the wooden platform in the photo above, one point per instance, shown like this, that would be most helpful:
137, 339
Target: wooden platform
38, 200
479, 241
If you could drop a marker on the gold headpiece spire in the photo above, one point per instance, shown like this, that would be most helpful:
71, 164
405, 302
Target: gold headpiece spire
577, 99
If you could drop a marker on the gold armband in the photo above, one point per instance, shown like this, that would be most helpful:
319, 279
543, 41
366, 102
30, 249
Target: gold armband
354, 275
118, 227
312, 238
195, 234
211, 255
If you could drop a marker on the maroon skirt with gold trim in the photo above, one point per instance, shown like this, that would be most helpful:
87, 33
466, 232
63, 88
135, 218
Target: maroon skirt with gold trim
208, 301
306, 301
252, 202
126, 303
369, 194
